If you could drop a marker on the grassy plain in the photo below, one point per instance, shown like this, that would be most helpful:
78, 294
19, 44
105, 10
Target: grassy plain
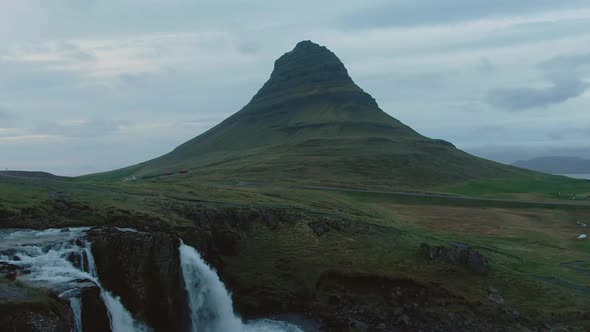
530, 239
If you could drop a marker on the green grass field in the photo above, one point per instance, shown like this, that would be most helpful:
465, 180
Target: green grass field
530, 239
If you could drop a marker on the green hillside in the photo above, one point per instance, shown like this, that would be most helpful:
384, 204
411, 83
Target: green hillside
311, 124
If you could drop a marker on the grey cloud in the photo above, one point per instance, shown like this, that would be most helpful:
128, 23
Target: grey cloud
486, 66
565, 62
249, 48
565, 74
82, 55
571, 133
5, 114
434, 12
73, 52
93, 128
515, 99
7, 117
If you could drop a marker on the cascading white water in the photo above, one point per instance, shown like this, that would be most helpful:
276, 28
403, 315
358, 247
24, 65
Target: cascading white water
47, 255
76, 305
210, 303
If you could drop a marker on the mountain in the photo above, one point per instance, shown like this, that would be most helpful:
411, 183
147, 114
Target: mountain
556, 165
311, 124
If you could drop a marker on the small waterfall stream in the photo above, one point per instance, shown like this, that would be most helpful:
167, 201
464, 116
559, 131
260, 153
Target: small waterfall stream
61, 260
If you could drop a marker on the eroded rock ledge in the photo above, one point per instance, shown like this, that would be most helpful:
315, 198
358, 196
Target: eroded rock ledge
144, 270
26, 309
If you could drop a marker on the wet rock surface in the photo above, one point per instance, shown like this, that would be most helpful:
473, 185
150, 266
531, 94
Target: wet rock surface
143, 269
22, 310
10, 271
12, 292
94, 312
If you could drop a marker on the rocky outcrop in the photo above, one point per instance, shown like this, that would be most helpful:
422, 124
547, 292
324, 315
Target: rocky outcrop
216, 232
94, 312
457, 254
143, 269
352, 302
25, 309
63, 210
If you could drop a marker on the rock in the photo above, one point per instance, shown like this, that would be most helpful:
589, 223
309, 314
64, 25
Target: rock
404, 319
515, 313
477, 262
10, 271
358, 326
457, 254
319, 228
94, 313
143, 269
496, 298
21, 311
398, 311
333, 300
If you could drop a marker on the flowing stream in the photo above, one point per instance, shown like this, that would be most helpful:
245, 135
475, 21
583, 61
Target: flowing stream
61, 260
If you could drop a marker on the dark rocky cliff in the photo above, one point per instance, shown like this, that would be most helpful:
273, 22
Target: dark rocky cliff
143, 269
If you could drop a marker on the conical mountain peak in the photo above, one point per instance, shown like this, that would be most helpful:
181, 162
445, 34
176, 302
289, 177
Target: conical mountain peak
307, 66
310, 123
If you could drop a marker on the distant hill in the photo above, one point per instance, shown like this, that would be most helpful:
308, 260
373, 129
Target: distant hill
32, 175
310, 123
556, 165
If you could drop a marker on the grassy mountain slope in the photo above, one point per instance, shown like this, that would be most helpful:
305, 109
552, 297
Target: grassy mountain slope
311, 124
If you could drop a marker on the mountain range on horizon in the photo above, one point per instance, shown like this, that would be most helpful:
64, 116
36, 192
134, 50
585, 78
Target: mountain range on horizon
310, 123
556, 165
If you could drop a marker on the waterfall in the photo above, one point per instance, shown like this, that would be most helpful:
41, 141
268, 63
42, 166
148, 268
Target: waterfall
210, 303
61, 260
76, 306
56, 260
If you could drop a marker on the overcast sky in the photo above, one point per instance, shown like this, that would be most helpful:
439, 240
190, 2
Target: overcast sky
94, 85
